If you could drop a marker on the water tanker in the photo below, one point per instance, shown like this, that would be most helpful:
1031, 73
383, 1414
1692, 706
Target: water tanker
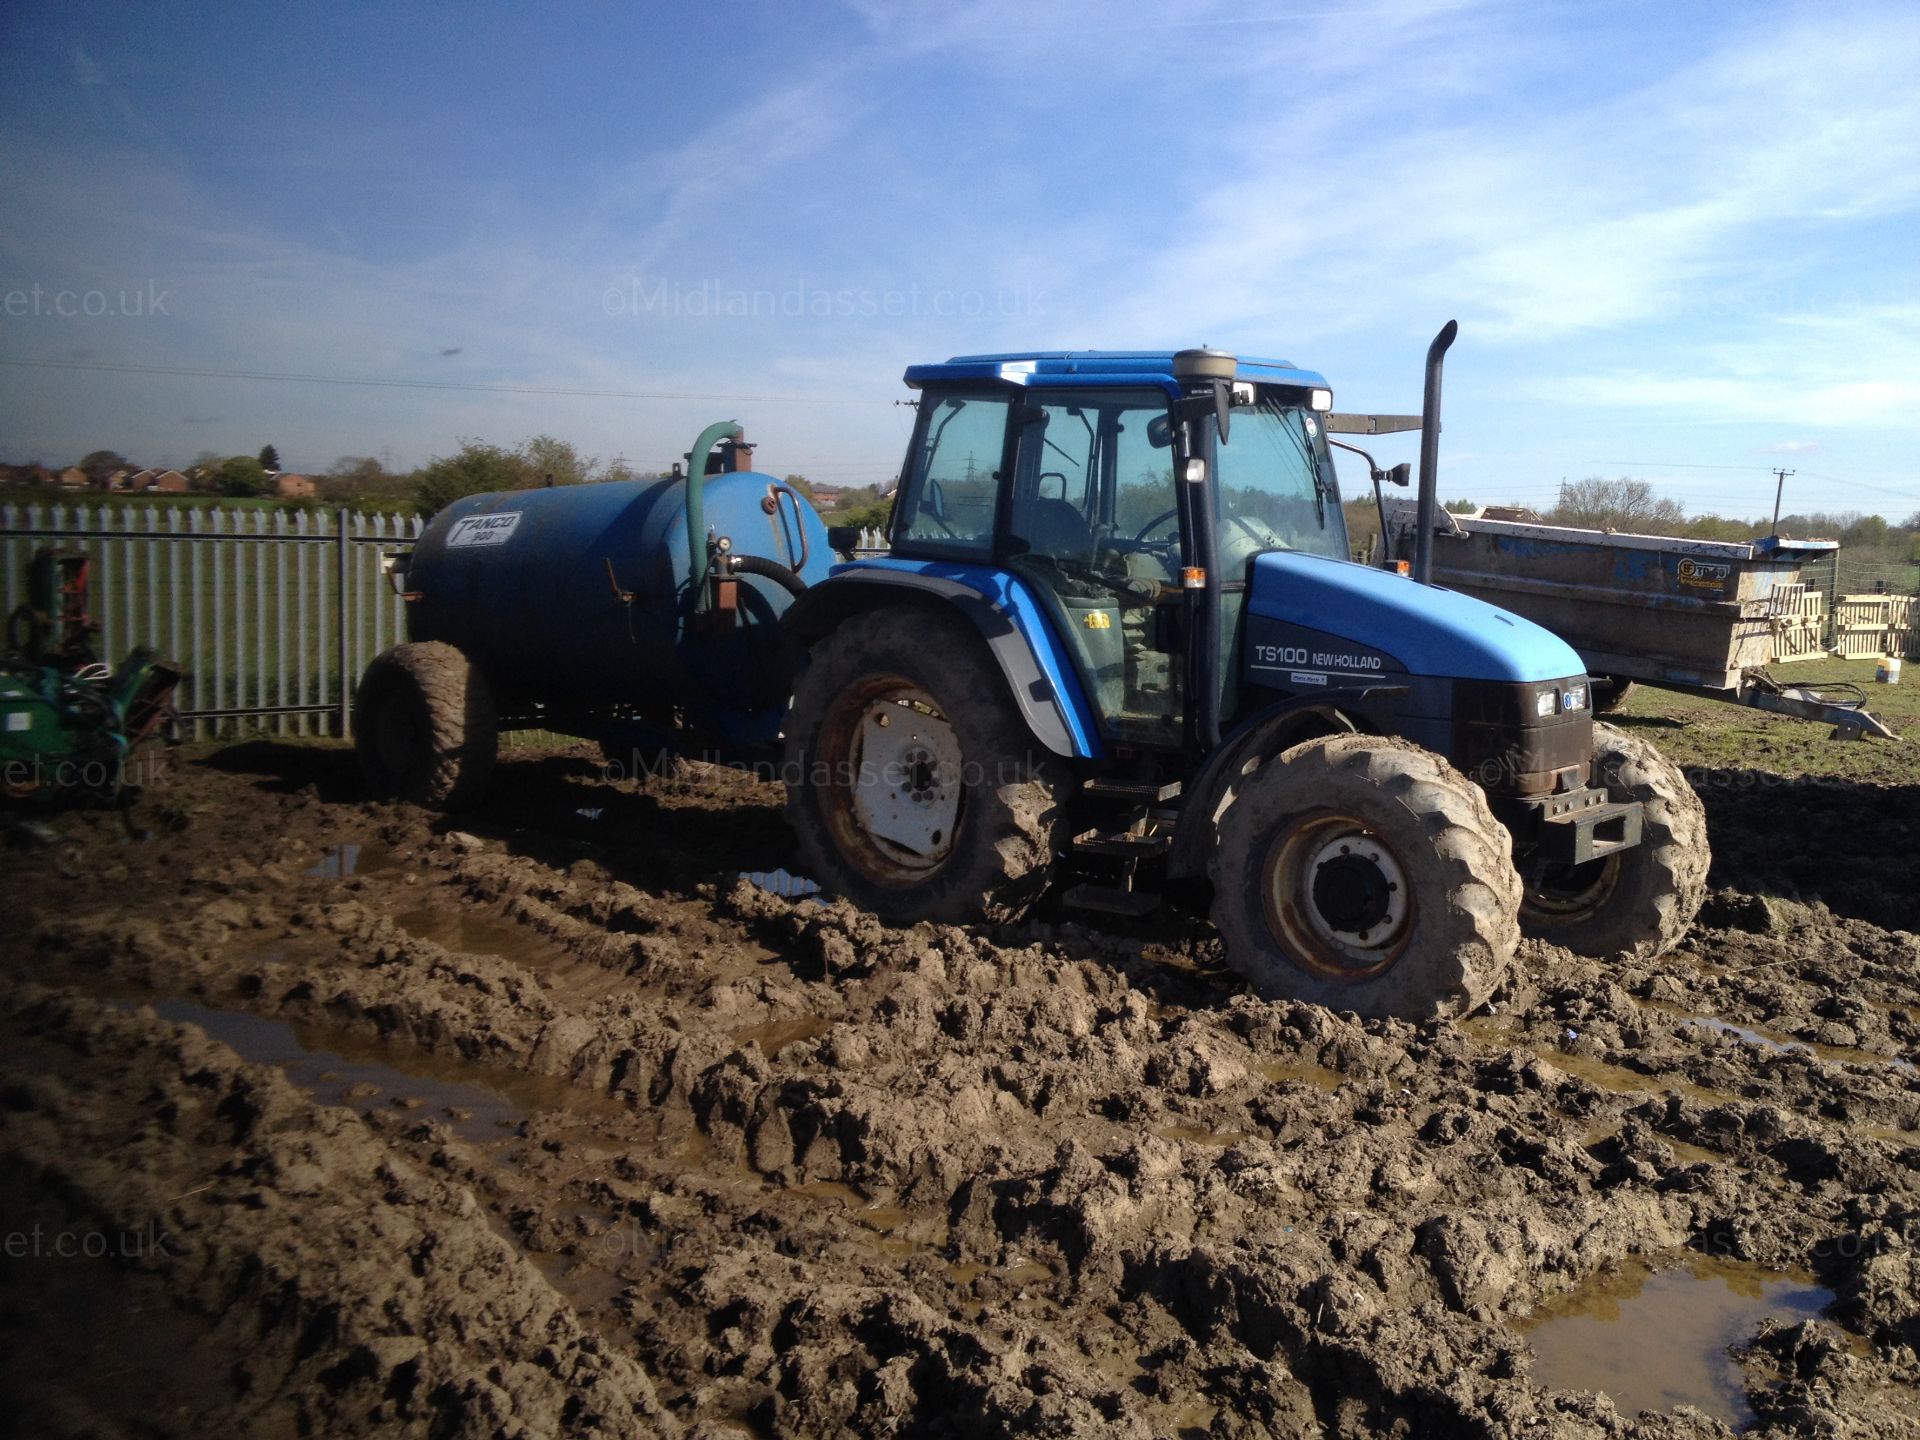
628, 612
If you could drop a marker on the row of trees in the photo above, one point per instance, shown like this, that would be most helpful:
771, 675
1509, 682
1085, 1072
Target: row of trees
1632, 505
226, 474
365, 482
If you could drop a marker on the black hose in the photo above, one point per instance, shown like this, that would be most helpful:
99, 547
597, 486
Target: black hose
769, 569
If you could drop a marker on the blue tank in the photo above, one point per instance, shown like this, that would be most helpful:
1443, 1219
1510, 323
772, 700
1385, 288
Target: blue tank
533, 586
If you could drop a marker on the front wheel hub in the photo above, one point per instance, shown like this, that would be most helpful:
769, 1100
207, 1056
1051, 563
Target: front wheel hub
1338, 898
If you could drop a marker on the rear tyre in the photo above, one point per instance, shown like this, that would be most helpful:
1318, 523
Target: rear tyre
424, 726
1639, 903
912, 783
1365, 874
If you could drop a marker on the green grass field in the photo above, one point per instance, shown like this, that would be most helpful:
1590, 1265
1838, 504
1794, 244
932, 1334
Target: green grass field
1693, 731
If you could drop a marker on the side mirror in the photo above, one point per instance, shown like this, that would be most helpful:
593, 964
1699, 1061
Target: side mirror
1401, 474
1025, 414
843, 539
1160, 431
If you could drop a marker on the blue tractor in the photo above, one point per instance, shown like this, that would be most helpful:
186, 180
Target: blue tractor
1116, 650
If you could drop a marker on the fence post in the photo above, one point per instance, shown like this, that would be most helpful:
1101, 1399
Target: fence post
340, 619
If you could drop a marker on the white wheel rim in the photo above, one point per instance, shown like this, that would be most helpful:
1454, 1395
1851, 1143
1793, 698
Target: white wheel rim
1368, 932
907, 782
1383, 933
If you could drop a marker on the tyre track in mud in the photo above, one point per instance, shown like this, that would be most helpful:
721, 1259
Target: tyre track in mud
774, 1165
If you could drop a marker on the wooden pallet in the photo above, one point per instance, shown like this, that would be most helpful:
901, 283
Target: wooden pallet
1797, 615
1868, 626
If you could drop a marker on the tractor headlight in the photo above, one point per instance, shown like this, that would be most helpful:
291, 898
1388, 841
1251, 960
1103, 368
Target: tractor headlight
1563, 698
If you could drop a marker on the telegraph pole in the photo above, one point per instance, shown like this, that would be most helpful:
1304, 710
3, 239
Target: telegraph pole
1779, 488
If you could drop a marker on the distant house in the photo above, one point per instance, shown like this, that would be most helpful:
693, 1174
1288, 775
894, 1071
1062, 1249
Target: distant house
293, 487
171, 482
825, 497
74, 478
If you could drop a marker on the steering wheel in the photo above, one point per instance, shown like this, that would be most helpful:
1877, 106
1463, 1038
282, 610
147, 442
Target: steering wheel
1153, 525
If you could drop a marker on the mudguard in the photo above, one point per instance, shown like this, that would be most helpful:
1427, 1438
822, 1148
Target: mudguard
1262, 734
1017, 633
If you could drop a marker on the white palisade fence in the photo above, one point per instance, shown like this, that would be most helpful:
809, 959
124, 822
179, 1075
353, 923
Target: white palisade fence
272, 614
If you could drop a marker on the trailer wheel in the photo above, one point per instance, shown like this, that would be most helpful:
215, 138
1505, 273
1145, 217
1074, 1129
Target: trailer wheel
1609, 692
1366, 874
424, 726
1636, 904
912, 784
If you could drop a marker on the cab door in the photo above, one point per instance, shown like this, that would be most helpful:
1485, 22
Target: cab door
1092, 523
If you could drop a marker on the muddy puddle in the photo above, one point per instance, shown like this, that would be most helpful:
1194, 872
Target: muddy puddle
1502, 1033
337, 1067
783, 883
469, 931
1318, 1077
1774, 1041
338, 862
777, 1035
1652, 1336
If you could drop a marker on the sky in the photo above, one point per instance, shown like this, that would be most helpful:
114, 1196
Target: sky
1680, 240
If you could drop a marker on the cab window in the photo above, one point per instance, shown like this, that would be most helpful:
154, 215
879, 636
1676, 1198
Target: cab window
1276, 487
953, 484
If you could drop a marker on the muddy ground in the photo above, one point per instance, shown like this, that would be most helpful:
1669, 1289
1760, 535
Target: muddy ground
327, 1117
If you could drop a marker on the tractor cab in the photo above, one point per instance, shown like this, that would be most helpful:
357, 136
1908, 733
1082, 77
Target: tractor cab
1081, 475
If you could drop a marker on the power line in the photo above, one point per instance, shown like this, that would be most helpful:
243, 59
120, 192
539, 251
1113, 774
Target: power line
402, 384
1678, 465
1768, 469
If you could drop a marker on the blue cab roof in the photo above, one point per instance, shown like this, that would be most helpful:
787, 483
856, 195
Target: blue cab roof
1049, 369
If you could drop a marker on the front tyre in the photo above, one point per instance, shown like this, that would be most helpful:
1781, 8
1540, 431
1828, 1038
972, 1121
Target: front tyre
1365, 874
1635, 904
912, 783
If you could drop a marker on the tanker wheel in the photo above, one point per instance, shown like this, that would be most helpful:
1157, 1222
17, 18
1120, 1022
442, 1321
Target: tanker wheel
912, 784
1633, 904
424, 726
1609, 692
1366, 874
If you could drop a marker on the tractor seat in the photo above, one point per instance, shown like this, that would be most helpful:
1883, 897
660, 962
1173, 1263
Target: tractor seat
1053, 527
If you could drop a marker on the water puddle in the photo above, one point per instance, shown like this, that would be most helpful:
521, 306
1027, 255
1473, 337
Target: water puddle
337, 862
467, 931
783, 883
1019, 1271
776, 1035
480, 1105
1786, 1045
1282, 1072
1687, 1154
1653, 1338
1501, 1033
1199, 1135
881, 1219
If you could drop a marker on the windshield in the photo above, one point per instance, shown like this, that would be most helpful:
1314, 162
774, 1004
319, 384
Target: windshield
1277, 488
